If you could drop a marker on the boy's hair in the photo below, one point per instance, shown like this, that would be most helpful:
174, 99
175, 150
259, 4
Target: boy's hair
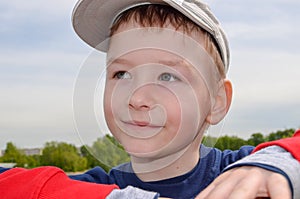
156, 15
93, 19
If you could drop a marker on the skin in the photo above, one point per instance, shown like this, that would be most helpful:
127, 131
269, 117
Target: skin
234, 184
151, 120
151, 97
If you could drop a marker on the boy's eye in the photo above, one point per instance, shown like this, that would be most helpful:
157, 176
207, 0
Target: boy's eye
122, 75
168, 77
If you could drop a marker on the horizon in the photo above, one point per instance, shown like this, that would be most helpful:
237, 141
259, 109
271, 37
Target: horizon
89, 144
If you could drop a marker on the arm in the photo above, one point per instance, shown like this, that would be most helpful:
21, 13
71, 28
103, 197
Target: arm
48, 182
289, 144
241, 177
52, 182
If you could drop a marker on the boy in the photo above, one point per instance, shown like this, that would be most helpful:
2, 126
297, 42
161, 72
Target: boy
165, 84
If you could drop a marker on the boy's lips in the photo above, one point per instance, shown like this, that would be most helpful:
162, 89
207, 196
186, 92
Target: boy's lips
141, 124
140, 129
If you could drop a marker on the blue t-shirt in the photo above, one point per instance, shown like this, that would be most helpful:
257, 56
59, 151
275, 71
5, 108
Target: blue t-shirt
210, 165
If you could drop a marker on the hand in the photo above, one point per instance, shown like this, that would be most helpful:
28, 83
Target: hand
247, 183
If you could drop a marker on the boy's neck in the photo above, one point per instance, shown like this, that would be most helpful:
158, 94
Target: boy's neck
170, 166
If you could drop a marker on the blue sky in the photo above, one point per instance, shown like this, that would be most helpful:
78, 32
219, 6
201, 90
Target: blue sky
40, 57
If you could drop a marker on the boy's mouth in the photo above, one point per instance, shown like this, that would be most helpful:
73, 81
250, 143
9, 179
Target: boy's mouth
141, 124
140, 129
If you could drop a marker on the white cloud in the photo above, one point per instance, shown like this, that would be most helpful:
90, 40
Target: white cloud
272, 76
35, 111
36, 9
266, 96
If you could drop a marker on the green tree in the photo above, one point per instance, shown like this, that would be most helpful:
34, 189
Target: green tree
91, 160
209, 141
108, 151
256, 139
230, 142
63, 155
13, 155
33, 161
280, 134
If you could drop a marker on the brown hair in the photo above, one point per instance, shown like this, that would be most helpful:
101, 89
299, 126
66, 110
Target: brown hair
161, 15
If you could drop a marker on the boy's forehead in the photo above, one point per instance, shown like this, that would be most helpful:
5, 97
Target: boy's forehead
167, 43
161, 39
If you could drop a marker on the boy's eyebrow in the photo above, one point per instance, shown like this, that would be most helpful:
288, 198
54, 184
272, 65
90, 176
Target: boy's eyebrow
163, 62
171, 62
119, 61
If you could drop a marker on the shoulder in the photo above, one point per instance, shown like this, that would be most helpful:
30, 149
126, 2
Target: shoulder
3, 169
49, 182
95, 175
123, 175
221, 159
125, 167
121, 170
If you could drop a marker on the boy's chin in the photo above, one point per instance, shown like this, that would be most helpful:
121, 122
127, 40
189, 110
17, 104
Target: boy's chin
149, 153
144, 152
144, 148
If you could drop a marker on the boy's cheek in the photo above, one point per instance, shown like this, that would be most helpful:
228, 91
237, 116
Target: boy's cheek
107, 106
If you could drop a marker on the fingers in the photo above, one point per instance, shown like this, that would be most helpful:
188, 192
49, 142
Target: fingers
247, 183
236, 184
278, 187
248, 187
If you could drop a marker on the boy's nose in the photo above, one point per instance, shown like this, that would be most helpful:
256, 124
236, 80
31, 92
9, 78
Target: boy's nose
142, 99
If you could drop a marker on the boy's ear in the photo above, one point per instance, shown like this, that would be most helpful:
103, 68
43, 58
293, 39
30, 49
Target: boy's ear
221, 103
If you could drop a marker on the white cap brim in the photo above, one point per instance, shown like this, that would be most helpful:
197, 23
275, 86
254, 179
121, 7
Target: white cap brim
92, 20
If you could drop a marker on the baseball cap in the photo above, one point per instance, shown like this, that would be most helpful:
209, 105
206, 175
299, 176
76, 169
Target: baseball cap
92, 20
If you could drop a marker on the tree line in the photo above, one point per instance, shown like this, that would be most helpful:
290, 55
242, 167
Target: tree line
106, 152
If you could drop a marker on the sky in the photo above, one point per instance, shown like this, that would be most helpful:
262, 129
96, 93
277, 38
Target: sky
41, 56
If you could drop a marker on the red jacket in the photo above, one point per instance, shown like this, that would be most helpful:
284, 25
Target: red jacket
48, 183
53, 183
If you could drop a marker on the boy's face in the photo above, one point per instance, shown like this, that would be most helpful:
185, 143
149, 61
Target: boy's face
160, 89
